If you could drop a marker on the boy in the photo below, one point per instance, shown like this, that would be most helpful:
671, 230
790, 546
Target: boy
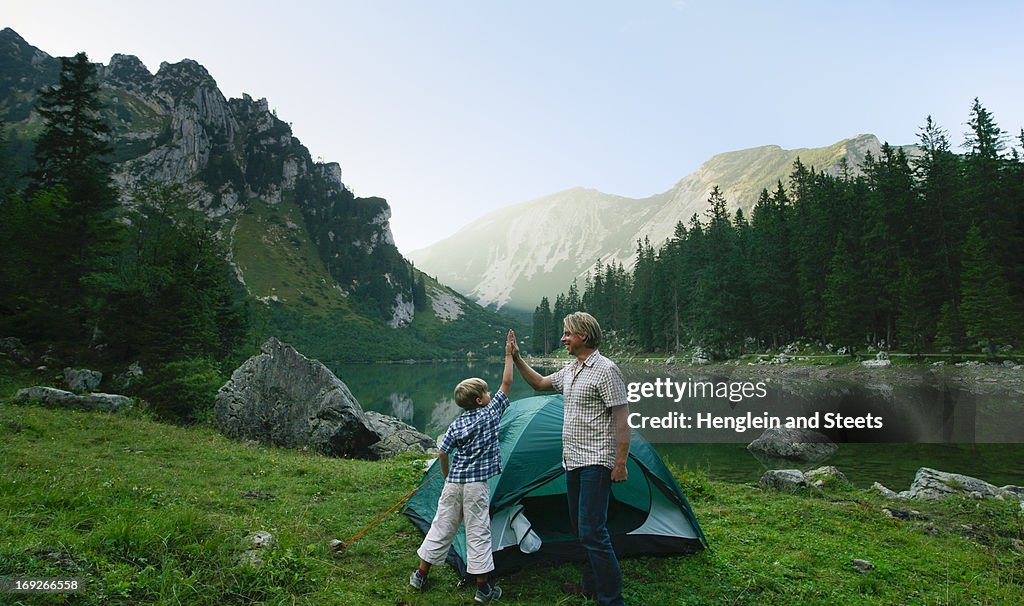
473, 436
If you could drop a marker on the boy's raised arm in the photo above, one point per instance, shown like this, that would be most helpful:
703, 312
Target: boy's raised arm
506, 376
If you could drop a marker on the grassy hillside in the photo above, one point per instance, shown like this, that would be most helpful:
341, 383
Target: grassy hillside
302, 305
148, 513
273, 252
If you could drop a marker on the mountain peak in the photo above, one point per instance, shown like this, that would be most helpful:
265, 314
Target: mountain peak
187, 74
127, 70
14, 48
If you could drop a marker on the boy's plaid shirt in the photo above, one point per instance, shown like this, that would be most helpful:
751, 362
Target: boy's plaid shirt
474, 435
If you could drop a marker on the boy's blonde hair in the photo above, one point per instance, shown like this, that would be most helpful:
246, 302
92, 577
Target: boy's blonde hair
585, 325
467, 391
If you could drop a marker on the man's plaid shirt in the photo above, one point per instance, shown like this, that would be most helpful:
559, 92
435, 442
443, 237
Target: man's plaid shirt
474, 435
591, 390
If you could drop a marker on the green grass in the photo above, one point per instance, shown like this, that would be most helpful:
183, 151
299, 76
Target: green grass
277, 259
149, 513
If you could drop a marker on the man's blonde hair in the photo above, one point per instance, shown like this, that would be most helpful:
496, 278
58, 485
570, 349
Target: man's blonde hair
467, 392
585, 325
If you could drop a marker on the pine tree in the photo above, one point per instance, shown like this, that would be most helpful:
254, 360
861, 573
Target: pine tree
889, 234
938, 216
988, 196
843, 306
642, 323
986, 309
170, 292
915, 324
419, 293
71, 158
543, 328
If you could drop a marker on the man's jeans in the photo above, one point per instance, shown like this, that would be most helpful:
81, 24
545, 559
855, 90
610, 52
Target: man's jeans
589, 490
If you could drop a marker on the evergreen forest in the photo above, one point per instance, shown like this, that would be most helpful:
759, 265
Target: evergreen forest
98, 284
919, 252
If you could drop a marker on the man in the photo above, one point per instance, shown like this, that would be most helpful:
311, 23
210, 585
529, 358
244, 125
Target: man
595, 447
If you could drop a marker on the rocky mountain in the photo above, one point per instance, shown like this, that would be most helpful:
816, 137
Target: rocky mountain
514, 256
300, 239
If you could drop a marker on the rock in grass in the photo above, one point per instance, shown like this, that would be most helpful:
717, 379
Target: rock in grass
886, 492
931, 484
50, 396
82, 379
786, 480
823, 476
862, 566
281, 397
258, 542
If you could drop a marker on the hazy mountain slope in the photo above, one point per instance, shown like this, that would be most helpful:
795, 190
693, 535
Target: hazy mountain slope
516, 255
531, 247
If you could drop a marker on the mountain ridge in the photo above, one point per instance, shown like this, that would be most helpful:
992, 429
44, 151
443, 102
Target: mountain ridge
588, 226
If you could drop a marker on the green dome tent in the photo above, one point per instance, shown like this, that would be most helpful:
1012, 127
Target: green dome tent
648, 515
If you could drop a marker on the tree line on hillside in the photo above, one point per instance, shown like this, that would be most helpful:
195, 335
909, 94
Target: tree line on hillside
918, 253
97, 284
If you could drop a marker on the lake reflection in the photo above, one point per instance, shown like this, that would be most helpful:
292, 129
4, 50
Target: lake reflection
421, 395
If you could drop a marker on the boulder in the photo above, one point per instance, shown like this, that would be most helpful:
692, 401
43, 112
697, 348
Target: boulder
794, 480
81, 379
931, 484
395, 436
281, 397
786, 480
821, 476
793, 444
65, 399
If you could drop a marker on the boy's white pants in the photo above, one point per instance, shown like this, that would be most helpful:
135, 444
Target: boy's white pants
469, 503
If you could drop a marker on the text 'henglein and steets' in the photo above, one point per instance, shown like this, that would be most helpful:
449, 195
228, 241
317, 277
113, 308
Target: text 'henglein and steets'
669, 390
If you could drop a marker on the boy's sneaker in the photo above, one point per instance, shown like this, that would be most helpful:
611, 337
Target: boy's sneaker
417, 579
483, 598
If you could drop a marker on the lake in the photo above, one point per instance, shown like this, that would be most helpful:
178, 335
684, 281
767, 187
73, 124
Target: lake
956, 420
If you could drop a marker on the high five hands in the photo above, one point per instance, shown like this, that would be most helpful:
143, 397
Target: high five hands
511, 345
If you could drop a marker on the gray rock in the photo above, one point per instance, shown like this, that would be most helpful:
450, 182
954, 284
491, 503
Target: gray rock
395, 436
862, 566
822, 475
260, 539
786, 480
1017, 491
700, 357
258, 543
282, 397
931, 484
793, 444
14, 348
65, 399
886, 492
81, 379
133, 375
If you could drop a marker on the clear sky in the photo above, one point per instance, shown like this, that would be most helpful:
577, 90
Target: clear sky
452, 109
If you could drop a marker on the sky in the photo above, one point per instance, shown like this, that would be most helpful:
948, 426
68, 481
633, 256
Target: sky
453, 109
